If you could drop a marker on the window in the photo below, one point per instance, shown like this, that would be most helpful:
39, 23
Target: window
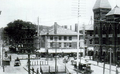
55, 37
70, 38
65, 44
70, 45
59, 44
60, 37
51, 44
65, 37
90, 34
51, 37
96, 41
90, 41
85, 41
104, 41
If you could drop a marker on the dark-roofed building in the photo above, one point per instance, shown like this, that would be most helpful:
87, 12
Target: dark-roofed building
58, 39
106, 31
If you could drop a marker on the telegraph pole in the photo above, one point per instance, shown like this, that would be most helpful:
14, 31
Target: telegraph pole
78, 37
27, 29
1, 49
55, 32
0, 12
84, 40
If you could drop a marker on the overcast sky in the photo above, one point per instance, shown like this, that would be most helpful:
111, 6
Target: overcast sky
64, 12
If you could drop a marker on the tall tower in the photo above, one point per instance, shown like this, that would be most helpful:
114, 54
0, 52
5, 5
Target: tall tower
112, 21
100, 9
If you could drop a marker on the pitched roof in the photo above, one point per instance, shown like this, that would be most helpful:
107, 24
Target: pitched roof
115, 11
59, 31
102, 4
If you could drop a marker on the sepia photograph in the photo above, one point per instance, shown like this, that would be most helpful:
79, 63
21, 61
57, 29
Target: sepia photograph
59, 37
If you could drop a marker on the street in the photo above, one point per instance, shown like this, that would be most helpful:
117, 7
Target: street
97, 69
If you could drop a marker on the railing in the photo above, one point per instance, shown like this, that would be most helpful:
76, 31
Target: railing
51, 69
33, 63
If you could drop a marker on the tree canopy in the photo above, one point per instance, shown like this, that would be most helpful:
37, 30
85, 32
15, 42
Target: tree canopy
18, 30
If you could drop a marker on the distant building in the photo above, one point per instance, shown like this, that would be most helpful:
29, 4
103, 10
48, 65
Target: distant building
88, 37
59, 39
106, 31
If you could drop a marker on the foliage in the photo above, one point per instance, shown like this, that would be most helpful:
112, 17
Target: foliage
19, 30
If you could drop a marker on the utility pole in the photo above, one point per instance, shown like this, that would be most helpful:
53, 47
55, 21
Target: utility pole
0, 12
55, 32
1, 48
28, 37
78, 37
28, 53
1, 55
28, 62
39, 36
84, 40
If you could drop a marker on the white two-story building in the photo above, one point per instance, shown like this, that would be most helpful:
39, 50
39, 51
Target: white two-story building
58, 39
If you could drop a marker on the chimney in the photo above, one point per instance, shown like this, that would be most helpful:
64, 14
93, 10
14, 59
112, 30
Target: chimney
55, 28
70, 27
65, 26
76, 27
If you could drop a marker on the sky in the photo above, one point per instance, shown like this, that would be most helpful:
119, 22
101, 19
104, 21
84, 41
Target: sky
64, 12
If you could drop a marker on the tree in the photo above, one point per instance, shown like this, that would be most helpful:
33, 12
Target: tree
18, 31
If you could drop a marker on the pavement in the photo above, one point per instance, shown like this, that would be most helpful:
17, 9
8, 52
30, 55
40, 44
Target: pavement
97, 68
100, 64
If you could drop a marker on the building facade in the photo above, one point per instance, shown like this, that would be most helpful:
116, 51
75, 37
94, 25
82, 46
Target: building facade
58, 39
106, 31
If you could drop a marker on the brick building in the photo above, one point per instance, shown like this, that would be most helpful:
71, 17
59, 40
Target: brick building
106, 31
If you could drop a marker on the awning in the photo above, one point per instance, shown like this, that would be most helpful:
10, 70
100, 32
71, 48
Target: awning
41, 50
64, 50
90, 48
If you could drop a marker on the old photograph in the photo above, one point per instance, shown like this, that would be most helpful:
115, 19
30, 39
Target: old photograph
59, 37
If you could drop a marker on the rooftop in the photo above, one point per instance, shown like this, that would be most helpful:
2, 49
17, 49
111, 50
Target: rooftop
58, 30
102, 4
115, 11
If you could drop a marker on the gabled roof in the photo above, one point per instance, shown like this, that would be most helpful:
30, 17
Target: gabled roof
115, 11
102, 4
59, 31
